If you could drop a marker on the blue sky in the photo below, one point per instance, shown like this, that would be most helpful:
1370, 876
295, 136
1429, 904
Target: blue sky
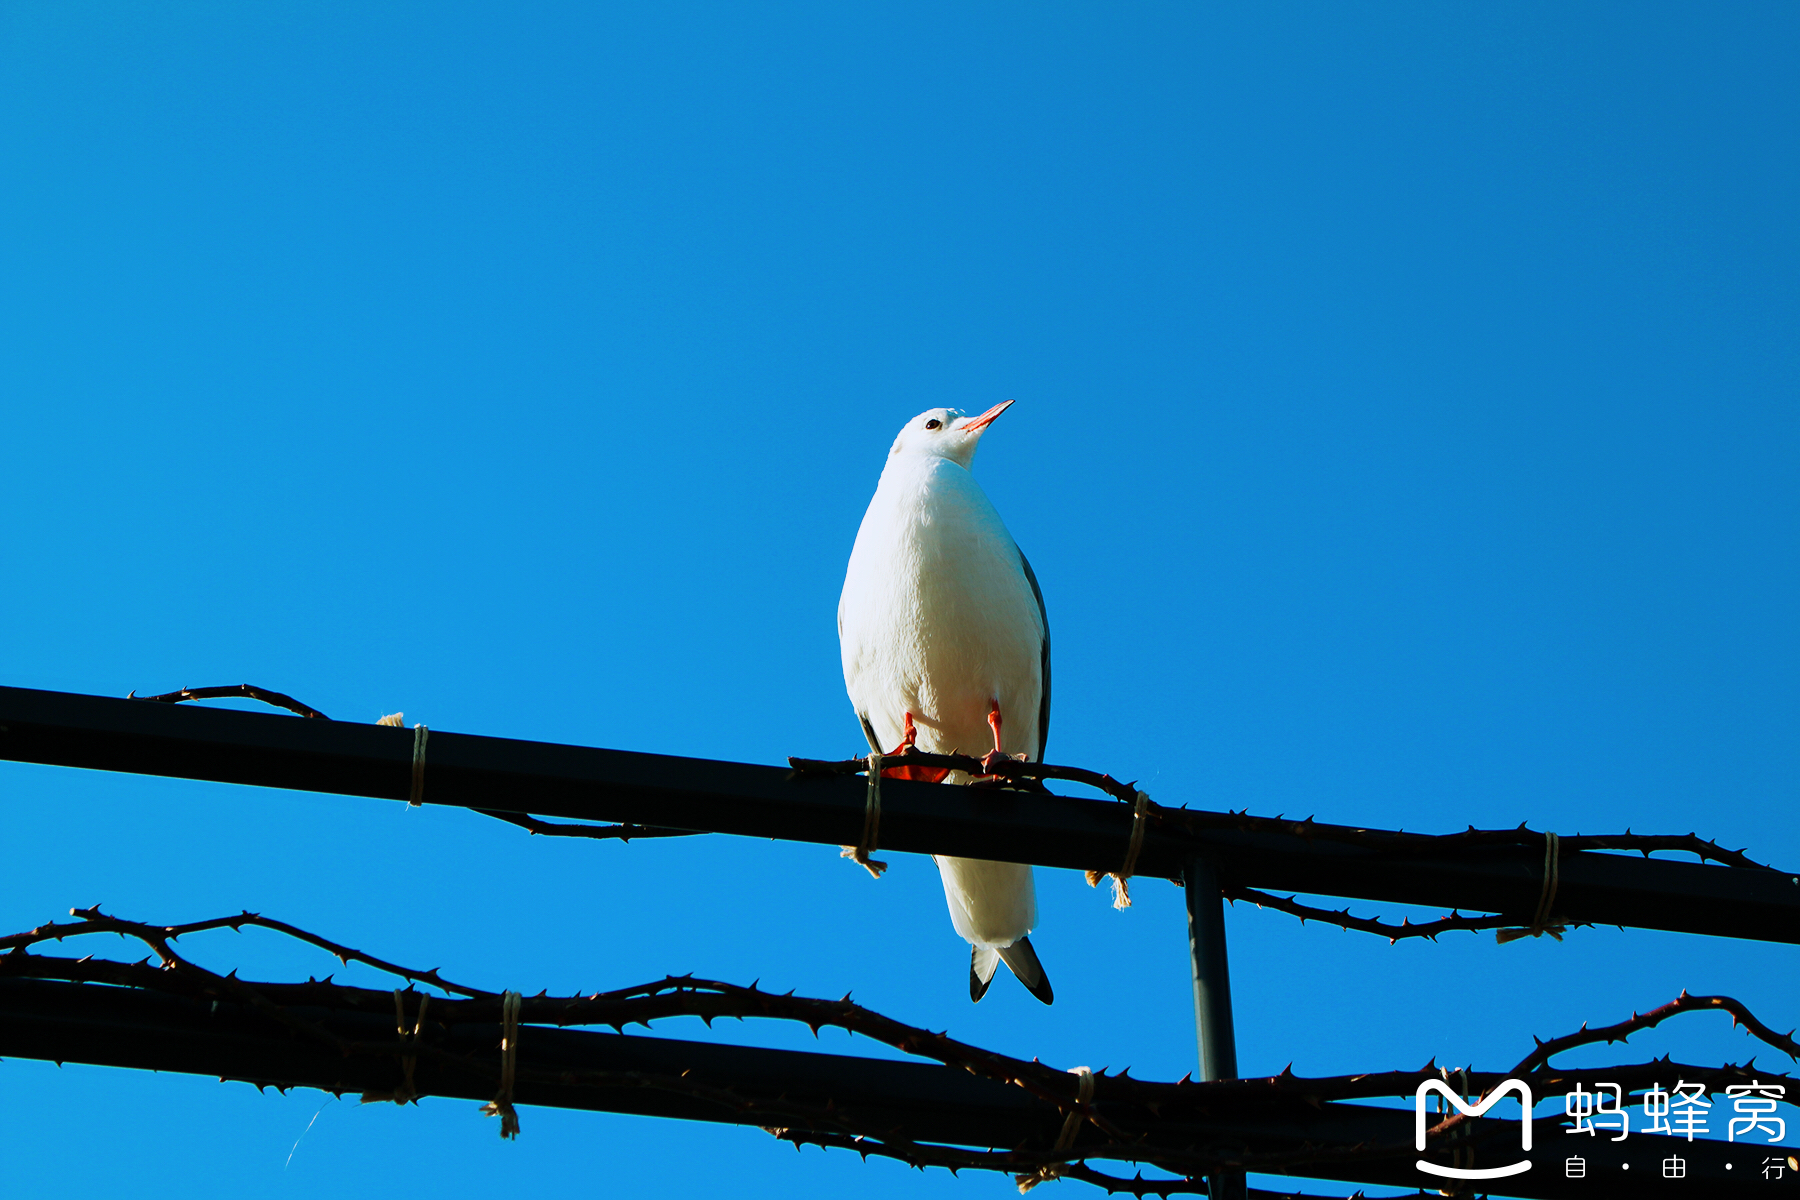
1406, 434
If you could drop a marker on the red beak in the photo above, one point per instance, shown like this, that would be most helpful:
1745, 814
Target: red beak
986, 418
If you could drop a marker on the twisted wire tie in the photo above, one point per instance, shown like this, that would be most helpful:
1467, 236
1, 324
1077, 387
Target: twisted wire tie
1541, 920
1065, 1140
420, 733
859, 853
1121, 878
407, 1092
502, 1103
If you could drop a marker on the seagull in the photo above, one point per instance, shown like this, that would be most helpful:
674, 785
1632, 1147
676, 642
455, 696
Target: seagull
946, 649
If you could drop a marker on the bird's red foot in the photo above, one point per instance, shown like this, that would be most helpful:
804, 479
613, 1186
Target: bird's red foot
908, 744
996, 754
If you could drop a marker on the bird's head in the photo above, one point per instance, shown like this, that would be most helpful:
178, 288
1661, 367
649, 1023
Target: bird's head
945, 433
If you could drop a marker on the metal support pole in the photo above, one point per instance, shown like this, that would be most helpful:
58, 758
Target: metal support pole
1212, 995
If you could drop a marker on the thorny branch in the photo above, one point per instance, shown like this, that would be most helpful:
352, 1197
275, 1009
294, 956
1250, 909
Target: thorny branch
247, 691
1008, 769
1033, 774
1684, 1003
1343, 918
250, 691
963, 1160
1121, 1121
158, 937
623, 833
956, 1160
1537, 1063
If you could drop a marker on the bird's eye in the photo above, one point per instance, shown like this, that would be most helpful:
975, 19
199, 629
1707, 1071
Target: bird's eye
934, 423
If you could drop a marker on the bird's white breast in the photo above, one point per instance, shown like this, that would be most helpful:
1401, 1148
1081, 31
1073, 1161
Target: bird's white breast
937, 617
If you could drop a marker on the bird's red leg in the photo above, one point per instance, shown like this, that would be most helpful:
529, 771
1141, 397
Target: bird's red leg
908, 743
996, 754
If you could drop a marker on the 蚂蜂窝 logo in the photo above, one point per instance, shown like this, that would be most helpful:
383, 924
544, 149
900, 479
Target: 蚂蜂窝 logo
1473, 1110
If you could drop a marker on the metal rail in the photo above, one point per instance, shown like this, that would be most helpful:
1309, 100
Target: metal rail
917, 1102
585, 783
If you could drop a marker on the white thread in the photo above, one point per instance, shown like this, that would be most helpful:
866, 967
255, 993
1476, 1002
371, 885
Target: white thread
1541, 920
860, 852
1071, 1126
501, 1105
296, 1146
420, 733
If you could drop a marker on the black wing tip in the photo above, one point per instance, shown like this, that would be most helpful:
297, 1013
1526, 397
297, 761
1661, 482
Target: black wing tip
1022, 960
977, 989
977, 986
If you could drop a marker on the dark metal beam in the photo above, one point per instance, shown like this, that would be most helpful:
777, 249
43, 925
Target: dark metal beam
585, 783
921, 1102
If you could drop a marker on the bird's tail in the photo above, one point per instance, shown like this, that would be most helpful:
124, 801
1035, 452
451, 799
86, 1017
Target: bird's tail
1022, 960
983, 962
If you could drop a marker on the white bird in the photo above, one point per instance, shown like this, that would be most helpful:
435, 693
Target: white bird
946, 646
